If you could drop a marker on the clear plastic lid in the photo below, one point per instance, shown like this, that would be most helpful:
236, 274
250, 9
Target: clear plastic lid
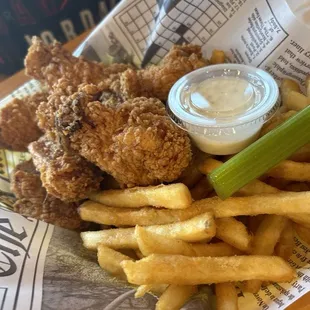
245, 96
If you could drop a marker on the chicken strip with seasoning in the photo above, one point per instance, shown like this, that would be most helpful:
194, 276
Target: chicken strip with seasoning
33, 200
65, 175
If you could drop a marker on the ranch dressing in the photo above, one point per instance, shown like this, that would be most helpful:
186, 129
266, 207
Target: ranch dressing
223, 107
222, 96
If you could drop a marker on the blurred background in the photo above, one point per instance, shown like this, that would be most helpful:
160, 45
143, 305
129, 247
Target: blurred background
61, 20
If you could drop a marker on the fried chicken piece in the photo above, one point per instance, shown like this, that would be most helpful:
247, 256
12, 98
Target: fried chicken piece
18, 123
49, 63
156, 81
134, 141
33, 201
60, 94
64, 175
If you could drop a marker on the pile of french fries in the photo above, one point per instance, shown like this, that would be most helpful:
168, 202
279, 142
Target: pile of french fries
182, 235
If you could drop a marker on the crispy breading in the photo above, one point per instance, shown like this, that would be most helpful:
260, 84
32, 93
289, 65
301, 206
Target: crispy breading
65, 175
49, 63
135, 141
156, 81
18, 123
33, 201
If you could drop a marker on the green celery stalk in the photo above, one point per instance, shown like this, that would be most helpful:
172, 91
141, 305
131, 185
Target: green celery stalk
262, 155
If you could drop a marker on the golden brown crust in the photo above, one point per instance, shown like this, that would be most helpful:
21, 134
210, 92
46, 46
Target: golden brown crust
18, 123
134, 141
156, 81
49, 63
66, 176
33, 201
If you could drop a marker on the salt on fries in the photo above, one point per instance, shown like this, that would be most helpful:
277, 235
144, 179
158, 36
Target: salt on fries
174, 196
101, 214
199, 228
293, 205
110, 260
291, 170
152, 243
266, 237
282, 203
185, 270
234, 233
170, 232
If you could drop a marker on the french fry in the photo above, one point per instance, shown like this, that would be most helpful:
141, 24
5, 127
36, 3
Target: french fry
308, 86
151, 243
291, 170
286, 87
199, 228
119, 238
302, 155
264, 242
283, 203
253, 188
234, 233
175, 296
302, 219
218, 57
110, 260
184, 270
226, 296
276, 121
95, 212
173, 196
201, 189
156, 289
285, 246
296, 101
303, 232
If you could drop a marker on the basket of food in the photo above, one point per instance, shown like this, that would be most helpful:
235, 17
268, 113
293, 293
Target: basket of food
165, 164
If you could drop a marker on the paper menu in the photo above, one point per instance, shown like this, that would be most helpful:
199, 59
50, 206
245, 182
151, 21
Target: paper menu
262, 33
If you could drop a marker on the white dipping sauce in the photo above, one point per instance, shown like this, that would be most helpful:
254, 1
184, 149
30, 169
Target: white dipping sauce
224, 97
223, 107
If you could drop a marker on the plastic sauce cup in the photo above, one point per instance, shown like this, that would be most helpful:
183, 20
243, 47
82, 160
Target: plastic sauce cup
223, 107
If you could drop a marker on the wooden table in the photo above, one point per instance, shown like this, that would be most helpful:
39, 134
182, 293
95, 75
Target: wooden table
10, 84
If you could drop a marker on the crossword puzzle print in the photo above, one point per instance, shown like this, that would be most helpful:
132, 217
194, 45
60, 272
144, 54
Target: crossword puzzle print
138, 21
183, 21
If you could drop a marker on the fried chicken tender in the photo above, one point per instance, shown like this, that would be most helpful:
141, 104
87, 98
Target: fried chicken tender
60, 95
49, 63
18, 122
64, 175
134, 141
33, 201
156, 81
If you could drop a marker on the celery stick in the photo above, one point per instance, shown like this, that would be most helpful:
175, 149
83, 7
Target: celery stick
262, 155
